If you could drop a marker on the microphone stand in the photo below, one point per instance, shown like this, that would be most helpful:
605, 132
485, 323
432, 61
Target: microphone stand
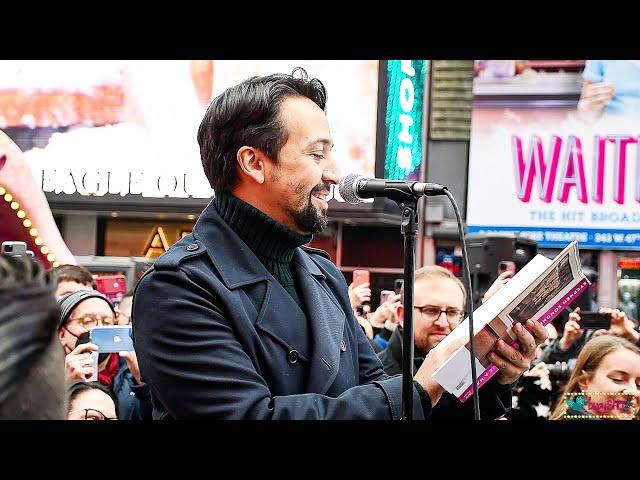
409, 227
404, 194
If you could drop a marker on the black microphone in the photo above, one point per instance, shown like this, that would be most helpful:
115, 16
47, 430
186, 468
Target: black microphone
355, 188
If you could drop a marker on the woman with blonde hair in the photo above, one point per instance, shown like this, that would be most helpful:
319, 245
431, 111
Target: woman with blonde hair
606, 364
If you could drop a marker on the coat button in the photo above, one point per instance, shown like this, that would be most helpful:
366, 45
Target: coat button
343, 346
192, 247
292, 356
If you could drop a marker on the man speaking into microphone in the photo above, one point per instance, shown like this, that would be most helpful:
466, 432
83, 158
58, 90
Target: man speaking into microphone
239, 320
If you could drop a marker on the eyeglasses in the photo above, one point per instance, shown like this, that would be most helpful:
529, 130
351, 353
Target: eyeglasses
90, 321
432, 313
93, 414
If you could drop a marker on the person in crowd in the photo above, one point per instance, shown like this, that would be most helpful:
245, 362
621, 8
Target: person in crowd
385, 320
574, 337
609, 364
439, 302
71, 278
359, 297
79, 312
123, 311
359, 294
91, 401
628, 306
239, 319
610, 87
32, 383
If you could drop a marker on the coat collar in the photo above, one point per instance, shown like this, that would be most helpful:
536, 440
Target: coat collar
235, 262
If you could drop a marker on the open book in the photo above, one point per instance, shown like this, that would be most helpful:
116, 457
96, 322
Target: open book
540, 291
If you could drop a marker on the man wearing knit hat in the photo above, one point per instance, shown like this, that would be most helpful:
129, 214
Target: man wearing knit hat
239, 320
80, 311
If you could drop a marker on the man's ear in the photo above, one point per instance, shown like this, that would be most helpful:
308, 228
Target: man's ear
251, 162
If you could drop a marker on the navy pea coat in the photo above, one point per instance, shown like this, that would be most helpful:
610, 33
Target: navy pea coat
218, 337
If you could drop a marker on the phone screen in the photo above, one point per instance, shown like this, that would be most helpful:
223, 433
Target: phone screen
595, 320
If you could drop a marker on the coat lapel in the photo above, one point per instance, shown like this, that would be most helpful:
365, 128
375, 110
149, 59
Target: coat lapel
239, 268
326, 320
282, 318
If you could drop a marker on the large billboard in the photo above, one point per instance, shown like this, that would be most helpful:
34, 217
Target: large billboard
554, 153
128, 128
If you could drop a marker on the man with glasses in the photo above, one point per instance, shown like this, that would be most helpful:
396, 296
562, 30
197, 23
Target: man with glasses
81, 311
439, 300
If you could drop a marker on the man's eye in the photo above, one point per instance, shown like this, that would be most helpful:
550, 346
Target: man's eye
318, 156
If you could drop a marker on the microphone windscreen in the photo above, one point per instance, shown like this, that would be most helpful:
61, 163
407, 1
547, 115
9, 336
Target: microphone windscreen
347, 188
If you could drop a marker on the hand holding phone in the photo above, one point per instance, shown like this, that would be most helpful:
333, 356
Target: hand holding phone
384, 295
81, 364
506, 266
359, 291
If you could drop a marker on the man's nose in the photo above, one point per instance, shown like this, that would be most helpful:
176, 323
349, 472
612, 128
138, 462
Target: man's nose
332, 174
442, 320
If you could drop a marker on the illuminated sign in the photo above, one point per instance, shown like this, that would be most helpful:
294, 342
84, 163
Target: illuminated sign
131, 126
544, 166
403, 118
629, 263
98, 182
157, 244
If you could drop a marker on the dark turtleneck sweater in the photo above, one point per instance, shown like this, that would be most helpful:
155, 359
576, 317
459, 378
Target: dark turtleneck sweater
272, 242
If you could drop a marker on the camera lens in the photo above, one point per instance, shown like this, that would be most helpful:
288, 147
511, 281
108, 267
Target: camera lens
8, 248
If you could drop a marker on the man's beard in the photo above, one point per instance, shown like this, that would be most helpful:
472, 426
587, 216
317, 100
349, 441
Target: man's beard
310, 219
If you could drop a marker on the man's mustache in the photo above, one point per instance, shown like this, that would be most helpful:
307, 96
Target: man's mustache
321, 188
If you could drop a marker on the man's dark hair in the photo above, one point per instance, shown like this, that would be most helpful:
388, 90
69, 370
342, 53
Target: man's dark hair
78, 387
73, 273
248, 114
32, 382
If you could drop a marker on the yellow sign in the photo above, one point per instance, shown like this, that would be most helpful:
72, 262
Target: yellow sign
156, 245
